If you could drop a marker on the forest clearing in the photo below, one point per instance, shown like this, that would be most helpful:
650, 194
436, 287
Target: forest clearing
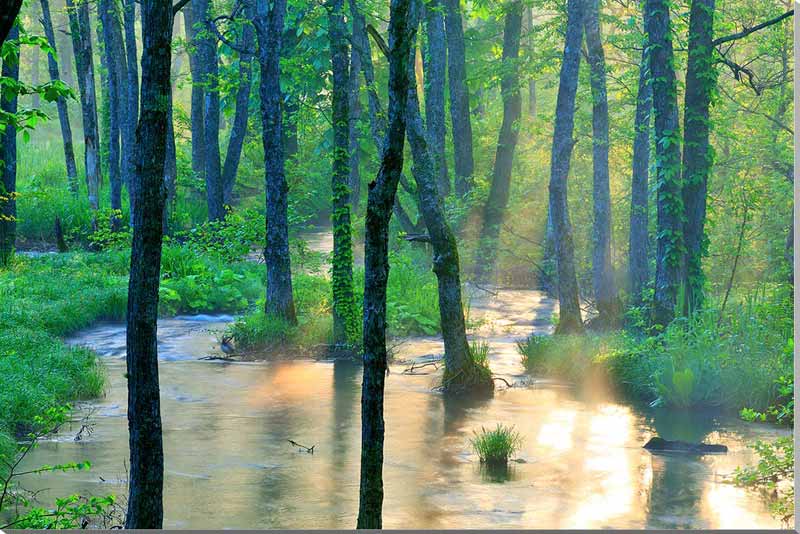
422, 264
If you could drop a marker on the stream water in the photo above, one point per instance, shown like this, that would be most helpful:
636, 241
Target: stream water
229, 463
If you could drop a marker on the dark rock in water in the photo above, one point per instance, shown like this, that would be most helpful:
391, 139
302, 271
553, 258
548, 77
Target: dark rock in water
662, 445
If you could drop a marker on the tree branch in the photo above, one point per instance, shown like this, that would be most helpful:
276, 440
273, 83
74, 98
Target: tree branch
748, 31
178, 6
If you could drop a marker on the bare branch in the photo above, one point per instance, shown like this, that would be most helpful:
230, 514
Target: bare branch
748, 31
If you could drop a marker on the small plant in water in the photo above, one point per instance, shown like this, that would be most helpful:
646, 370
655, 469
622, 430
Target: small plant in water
495, 447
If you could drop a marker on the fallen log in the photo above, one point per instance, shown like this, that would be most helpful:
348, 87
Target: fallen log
658, 444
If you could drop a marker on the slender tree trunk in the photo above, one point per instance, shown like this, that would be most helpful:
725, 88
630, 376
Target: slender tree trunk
114, 57
170, 167
8, 155
604, 285
531, 53
268, 22
669, 248
435, 62
380, 201
239, 126
354, 106
61, 103
291, 139
638, 263
197, 111
82, 43
697, 156
145, 496
568, 295
207, 55
497, 203
65, 52
362, 46
131, 100
345, 326
459, 98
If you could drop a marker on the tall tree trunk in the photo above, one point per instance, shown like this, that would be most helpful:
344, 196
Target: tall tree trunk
8, 155
131, 100
9, 9
354, 106
345, 326
697, 156
145, 496
171, 162
459, 98
532, 81
114, 58
362, 46
207, 55
604, 285
460, 375
669, 247
84, 63
638, 263
380, 200
495, 208
435, 62
65, 54
61, 103
198, 100
268, 22
568, 295
241, 114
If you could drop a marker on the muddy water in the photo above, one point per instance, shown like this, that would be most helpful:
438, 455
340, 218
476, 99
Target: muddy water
229, 464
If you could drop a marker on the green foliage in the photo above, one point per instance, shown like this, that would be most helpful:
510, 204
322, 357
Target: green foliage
106, 237
496, 446
566, 357
232, 239
773, 477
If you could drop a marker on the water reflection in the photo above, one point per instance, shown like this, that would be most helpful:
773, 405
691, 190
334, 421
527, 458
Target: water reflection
229, 463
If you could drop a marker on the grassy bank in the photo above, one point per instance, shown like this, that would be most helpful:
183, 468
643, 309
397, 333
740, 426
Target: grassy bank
737, 362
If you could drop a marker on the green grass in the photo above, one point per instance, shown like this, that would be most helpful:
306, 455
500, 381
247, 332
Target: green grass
496, 447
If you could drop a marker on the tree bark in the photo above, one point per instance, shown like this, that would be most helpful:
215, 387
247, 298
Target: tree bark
495, 208
697, 155
197, 99
8, 154
268, 22
638, 263
61, 103
145, 497
604, 285
345, 327
459, 98
84, 63
354, 106
9, 9
208, 58
568, 295
132, 98
380, 200
435, 64
669, 247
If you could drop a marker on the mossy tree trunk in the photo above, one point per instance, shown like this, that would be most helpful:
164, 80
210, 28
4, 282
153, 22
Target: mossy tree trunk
376, 250
8, 167
345, 322
568, 295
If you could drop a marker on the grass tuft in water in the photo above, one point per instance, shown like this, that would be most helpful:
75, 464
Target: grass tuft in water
495, 447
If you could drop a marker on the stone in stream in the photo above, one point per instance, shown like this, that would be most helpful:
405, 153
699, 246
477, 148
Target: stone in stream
658, 444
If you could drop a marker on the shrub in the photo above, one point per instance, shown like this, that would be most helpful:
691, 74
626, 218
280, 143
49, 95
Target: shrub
773, 476
495, 447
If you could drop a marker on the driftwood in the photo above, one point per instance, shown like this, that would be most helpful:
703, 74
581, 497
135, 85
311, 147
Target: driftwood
309, 450
658, 444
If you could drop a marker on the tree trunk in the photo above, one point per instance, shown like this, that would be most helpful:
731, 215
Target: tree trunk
354, 105
604, 285
459, 98
114, 57
380, 200
208, 58
697, 156
8, 165
9, 9
531, 53
197, 111
239, 126
669, 245
495, 208
61, 103
568, 296
435, 62
638, 263
84, 63
268, 22
146, 478
345, 326
132, 99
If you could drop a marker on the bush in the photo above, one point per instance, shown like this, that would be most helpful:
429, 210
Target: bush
773, 477
495, 447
